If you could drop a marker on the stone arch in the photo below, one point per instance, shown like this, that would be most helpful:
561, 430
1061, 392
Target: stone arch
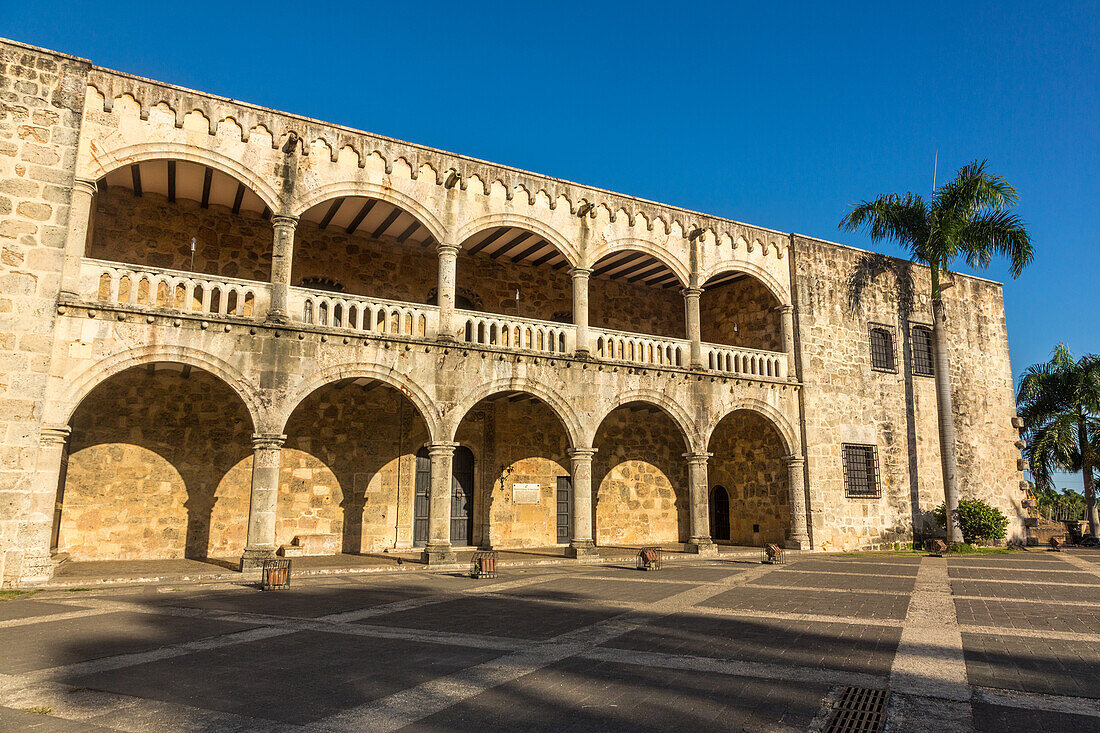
420, 399
783, 428
60, 410
509, 219
676, 413
752, 270
390, 195
558, 405
138, 153
640, 245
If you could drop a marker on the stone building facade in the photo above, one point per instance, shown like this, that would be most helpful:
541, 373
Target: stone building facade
230, 331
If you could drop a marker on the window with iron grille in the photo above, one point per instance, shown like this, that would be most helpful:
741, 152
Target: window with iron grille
923, 363
860, 471
882, 349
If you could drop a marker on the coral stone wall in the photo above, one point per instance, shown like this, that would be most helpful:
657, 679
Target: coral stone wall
622, 306
160, 466
840, 292
747, 462
749, 305
41, 104
639, 480
348, 467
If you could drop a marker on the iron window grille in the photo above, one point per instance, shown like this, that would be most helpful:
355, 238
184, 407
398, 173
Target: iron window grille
924, 364
861, 480
883, 356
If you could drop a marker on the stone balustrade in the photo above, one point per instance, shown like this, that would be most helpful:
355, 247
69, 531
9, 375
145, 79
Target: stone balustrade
638, 349
188, 292
528, 334
388, 317
745, 362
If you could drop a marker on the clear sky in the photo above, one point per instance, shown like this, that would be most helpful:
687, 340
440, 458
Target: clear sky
781, 116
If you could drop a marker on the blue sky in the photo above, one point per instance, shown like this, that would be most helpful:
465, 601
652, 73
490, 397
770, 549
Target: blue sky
781, 116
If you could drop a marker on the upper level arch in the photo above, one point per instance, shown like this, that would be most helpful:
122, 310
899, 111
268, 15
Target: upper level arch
336, 194
639, 246
722, 270
520, 238
557, 404
142, 155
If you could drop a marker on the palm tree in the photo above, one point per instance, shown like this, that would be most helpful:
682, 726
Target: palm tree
968, 217
1060, 404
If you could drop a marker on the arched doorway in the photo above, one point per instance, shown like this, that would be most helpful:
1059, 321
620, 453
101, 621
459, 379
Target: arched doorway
462, 497
720, 514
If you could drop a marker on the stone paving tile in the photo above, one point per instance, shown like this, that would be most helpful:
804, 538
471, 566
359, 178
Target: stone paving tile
294, 678
1069, 575
307, 602
1026, 591
57, 643
864, 568
27, 608
583, 695
497, 616
28, 722
850, 647
836, 582
991, 718
829, 603
584, 590
1030, 664
1027, 615
902, 559
719, 570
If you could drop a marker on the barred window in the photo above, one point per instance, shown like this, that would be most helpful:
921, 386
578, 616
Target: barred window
882, 350
860, 471
923, 363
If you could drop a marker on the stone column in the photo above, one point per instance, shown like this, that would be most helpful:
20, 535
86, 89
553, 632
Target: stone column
282, 257
266, 458
699, 493
582, 545
694, 329
76, 238
580, 308
445, 292
799, 538
37, 566
437, 550
786, 316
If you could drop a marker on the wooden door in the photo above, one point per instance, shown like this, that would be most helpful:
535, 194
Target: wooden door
422, 501
720, 514
462, 497
565, 509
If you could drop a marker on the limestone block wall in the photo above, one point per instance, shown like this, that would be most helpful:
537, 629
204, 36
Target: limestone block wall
741, 313
840, 292
153, 232
639, 478
621, 306
747, 462
159, 466
41, 98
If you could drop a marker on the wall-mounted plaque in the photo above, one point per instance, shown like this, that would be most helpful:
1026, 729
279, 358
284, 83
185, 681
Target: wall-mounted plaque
526, 493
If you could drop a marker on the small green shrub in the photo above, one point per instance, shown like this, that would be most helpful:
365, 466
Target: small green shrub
981, 523
962, 548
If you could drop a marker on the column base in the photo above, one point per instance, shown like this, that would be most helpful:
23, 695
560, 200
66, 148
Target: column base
798, 543
583, 355
701, 546
277, 318
446, 338
581, 549
253, 557
438, 554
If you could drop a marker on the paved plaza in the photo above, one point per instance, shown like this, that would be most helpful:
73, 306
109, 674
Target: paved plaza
982, 642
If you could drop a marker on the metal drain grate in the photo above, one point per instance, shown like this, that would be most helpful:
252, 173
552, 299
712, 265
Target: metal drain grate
858, 710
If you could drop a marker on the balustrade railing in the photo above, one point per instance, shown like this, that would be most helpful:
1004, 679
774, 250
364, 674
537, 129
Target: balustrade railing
389, 317
189, 292
486, 329
746, 362
637, 349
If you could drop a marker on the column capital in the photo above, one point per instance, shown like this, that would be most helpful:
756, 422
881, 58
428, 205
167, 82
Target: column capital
697, 456
576, 272
785, 309
795, 461
85, 186
442, 448
691, 292
581, 454
267, 441
284, 220
53, 434
447, 249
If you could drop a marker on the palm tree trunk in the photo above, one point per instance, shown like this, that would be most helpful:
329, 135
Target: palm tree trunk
948, 457
1090, 486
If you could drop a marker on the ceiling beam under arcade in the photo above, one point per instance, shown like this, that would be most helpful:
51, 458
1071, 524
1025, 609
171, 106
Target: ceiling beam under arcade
500, 232
654, 270
331, 213
363, 212
404, 236
386, 223
506, 248
172, 182
546, 258
207, 179
238, 198
530, 250
135, 176
609, 266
